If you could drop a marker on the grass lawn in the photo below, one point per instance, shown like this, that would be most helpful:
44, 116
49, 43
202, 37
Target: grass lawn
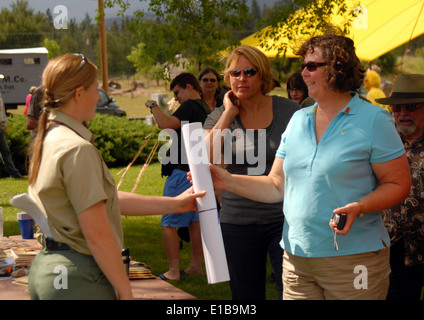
143, 235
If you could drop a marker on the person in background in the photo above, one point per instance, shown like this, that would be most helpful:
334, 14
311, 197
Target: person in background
275, 79
73, 187
210, 87
250, 229
4, 148
28, 98
212, 95
386, 86
341, 155
372, 83
405, 220
298, 91
32, 116
186, 90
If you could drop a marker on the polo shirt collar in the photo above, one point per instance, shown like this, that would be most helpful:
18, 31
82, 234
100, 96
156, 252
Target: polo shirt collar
353, 105
350, 108
72, 123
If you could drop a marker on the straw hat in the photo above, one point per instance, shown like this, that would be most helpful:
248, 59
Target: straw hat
407, 89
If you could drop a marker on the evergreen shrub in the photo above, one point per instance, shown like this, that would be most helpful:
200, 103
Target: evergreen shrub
117, 139
17, 137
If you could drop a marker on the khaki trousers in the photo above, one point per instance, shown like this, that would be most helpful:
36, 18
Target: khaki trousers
362, 276
67, 275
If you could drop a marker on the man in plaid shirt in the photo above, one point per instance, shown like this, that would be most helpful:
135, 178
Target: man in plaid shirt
405, 221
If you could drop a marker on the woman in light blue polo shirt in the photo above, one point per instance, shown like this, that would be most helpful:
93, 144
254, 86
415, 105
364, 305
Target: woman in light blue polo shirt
341, 155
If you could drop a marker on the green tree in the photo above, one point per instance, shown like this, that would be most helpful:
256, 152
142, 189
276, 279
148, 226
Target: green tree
52, 47
21, 26
251, 24
256, 11
120, 42
140, 59
68, 44
195, 29
144, 64
89, 34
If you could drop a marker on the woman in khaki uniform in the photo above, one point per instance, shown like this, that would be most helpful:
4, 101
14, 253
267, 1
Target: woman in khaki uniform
73, 187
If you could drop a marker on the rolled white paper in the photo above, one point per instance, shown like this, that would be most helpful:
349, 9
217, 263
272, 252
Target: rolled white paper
25, 203
212, 241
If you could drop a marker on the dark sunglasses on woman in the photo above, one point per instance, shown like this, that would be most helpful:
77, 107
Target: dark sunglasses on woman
249, 72
312, 65
208, 80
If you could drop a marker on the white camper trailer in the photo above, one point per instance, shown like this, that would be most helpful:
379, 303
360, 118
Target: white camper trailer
20, 69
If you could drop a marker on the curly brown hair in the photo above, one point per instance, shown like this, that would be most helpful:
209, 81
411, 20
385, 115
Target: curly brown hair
346, 72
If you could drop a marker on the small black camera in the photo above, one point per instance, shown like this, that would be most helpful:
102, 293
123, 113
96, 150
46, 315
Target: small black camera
339, 220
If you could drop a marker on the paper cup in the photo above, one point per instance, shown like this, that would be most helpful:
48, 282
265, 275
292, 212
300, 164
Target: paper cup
26, 224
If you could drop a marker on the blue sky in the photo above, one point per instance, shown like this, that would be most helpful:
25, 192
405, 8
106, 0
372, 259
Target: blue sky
78, 8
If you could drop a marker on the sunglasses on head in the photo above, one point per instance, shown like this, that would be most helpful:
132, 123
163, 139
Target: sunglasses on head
312, 65
410, 107
83, 62
249, 72
208, 80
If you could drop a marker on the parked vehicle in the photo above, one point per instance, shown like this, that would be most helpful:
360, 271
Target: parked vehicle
21, 69
107, 105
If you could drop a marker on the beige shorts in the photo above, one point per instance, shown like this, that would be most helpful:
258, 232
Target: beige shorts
362, 276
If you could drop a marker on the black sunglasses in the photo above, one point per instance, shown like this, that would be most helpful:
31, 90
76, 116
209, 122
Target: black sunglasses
410, 107
312, 65
207, 79
83, 62
249, 72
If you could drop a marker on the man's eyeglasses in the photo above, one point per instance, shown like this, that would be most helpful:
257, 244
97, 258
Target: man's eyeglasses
83, 62
249, 72
208, 80
410, 107
312, 65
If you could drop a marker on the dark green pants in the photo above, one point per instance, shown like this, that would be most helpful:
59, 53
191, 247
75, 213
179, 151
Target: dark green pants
67, 275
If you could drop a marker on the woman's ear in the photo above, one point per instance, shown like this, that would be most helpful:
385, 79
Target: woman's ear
78, 93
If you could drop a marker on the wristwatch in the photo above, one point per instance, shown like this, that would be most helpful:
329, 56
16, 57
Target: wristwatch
154, 104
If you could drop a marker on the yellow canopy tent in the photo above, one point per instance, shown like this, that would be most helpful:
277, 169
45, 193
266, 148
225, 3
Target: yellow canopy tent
381, 26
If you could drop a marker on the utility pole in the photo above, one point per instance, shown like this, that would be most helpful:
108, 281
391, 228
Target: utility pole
103, 46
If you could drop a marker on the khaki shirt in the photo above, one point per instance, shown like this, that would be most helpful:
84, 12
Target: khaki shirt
72, 178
